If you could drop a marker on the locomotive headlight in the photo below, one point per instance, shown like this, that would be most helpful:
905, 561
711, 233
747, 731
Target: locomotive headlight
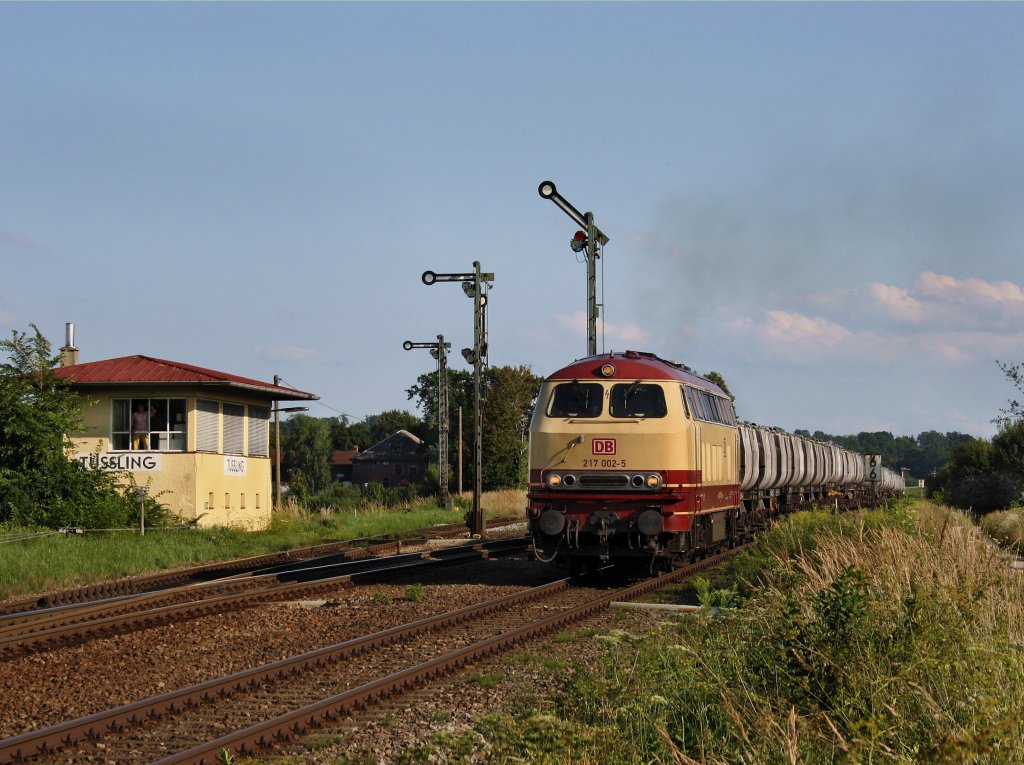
607, 370
653, 481
554, 480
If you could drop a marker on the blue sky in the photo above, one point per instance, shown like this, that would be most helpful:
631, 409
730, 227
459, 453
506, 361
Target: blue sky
822, 202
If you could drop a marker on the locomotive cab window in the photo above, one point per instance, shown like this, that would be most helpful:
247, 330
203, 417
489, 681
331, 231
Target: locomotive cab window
576, 399
703, 406
637, 399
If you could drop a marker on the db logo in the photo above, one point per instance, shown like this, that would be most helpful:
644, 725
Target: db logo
603, 445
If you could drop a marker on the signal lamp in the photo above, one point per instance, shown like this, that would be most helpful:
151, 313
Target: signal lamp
578, 242
469, 289
433, 352
469, 355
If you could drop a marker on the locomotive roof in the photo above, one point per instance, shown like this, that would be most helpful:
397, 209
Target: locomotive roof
634, 365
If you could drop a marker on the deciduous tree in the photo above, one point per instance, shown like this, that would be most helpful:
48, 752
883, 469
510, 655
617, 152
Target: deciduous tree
39, 484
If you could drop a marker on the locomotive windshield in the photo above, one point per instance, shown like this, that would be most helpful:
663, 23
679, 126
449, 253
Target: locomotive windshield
576, 399
637, 399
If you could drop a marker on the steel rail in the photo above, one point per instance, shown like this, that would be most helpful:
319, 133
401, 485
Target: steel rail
278, 587
38, 618
224, 569
29, 745
279, 729
45, 740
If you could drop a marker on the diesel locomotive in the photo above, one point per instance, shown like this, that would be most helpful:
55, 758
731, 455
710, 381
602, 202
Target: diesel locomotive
635, 457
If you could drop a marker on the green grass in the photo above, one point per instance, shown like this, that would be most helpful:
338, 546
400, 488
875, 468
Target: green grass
52, 561
890, 636
1006, 527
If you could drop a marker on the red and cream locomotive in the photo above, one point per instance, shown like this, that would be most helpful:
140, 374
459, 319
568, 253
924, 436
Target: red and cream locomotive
632, 456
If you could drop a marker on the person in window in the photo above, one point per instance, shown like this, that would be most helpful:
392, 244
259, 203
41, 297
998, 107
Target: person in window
140, 427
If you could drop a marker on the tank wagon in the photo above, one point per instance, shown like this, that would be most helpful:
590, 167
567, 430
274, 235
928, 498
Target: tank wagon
633, 456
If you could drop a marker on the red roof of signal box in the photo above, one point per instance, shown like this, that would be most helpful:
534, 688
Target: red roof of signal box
144, 370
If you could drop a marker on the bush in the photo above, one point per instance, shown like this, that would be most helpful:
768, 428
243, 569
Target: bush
879, 638
39, 485
1005, 527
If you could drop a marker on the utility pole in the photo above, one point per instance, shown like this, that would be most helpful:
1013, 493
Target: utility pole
277, 450
588, 240
277, 442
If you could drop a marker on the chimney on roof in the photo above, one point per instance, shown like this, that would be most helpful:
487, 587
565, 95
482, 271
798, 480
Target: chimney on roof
69, 353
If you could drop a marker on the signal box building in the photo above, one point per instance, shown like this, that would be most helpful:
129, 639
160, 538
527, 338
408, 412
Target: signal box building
197, 438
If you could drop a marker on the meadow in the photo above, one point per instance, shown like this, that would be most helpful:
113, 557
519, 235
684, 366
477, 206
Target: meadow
40, 560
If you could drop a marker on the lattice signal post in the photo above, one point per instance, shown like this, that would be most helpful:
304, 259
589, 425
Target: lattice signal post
439, 351
475, 285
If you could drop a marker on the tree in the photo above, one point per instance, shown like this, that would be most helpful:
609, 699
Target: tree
1008, 457
380, 426
39, 484
718, 380
1015, 412
307, 442
460, 394
970, 479
509, 393
348, 435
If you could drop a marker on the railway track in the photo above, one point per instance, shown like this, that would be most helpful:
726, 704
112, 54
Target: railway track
59, 626
257, 708
351, 549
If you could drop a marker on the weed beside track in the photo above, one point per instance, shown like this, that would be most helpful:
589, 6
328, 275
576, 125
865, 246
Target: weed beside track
887, 636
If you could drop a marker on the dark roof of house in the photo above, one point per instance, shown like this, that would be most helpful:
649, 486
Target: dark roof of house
398, 446
145, 370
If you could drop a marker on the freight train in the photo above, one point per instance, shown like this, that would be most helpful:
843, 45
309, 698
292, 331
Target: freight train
633, 457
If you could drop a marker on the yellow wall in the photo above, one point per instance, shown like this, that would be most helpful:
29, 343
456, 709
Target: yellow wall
190, 484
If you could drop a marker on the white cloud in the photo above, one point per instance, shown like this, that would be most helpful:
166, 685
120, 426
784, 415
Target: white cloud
809, 339
899, 303
782, 325
953, 290
292, 353
964, 303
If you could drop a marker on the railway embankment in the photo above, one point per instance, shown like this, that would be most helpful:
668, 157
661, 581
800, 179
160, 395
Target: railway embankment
892, 635
889, 635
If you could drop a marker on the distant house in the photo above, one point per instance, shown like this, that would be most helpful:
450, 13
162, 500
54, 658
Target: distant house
396, 461
341, 465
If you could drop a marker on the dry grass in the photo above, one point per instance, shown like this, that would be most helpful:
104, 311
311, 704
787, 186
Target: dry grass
885, 637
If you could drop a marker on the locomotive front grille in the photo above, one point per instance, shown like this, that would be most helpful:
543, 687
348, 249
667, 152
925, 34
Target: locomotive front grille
604, 481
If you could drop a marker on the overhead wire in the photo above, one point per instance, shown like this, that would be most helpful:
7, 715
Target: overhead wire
325, 406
